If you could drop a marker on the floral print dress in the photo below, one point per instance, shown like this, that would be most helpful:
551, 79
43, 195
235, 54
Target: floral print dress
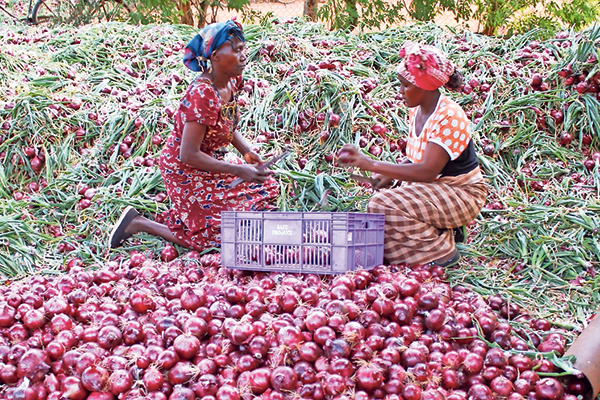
198, 196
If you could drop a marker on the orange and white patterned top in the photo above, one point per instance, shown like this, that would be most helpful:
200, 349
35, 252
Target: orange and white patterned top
448, 127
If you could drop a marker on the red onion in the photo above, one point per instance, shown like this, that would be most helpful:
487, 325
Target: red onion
142, 302
94, 378
369, 378
181, 373
290, 336
473, 363
57, 305
501, 386
480, 392
182, 393
283, 378
412, 392
259, 380
227, 392
34, 365
549, 389
109, 337
72, 388
186, 346
120, 381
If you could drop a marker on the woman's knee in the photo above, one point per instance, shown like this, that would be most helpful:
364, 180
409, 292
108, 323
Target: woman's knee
371, 207
382, 203
375, 206
376, 203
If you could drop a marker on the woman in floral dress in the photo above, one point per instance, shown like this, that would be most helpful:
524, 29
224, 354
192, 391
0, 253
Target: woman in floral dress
195, 165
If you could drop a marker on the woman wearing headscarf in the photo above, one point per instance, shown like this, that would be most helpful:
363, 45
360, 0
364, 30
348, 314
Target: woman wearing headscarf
195, 164
442, 188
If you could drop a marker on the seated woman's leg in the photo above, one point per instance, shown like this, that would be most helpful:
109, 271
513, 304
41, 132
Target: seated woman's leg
142, 224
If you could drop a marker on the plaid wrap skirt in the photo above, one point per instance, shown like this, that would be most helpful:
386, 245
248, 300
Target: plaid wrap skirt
419, 217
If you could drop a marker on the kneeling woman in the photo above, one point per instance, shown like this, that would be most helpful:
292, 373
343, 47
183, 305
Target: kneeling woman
195, 166
442, 186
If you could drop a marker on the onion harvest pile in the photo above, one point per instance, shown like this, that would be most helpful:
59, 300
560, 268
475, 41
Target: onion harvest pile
192, 329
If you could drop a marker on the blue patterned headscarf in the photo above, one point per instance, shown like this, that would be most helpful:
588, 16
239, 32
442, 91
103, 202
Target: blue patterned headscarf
210, 38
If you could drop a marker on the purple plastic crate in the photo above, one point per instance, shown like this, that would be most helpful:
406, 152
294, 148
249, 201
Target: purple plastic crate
302, 242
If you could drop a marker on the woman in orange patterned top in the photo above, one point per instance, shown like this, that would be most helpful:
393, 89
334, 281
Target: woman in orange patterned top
442, 186
195, 164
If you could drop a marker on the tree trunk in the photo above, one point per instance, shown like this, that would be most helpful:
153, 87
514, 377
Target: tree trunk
352, 11
489, 30
310, 9
490, 26
187, 16
203, 13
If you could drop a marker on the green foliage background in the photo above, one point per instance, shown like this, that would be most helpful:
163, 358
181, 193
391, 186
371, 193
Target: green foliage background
506, 17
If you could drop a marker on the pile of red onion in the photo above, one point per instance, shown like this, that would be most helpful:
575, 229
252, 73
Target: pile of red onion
191, 329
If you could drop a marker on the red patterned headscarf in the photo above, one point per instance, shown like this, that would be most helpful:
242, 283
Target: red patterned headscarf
424, 66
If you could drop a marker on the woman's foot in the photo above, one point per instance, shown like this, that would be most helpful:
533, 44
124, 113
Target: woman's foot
119, 233
448, 261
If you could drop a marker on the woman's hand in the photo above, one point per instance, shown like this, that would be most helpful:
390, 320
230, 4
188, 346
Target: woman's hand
349, 156
384, 181
252, 158
251, 173
190, 153
434, 160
